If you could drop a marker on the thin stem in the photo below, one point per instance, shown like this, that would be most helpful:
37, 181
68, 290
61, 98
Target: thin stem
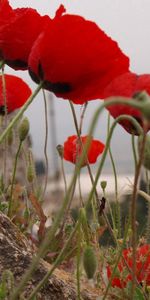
144, 195
78, 131
45, 144
58, 260
51, 233
20, 113
147, 181
78, 264
69, 205
117, 208
94, 190
63, 174
80, 190
148, 206
117, 261
112, 162
134, 150
48, 238
82, 117
133, 214
5, 123
13, 180
53, 133
122, 117
74, 118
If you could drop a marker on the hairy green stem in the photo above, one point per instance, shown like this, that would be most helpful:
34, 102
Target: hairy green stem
5, 123
78, 258
82, 117
49, 237
20, 113
112, 161
45, 145
51, 233
80, 191
117, 219
78, 131
117, 261
58, 260
122, 117
133, 215
68, 205
63, 174
148, 206
13, 180
94, 184
134, 150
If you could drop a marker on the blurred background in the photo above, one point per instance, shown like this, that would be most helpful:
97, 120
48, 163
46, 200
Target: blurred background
127, 22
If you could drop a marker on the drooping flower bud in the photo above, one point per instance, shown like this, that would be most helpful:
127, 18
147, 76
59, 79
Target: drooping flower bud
60, 150
103, 185
89, 262
23, 129
30, 173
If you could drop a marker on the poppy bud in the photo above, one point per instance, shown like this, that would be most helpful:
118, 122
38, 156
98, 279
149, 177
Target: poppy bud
24, 129
103, 185
30, 173
30, 168
89, 262
60, 150
146, 158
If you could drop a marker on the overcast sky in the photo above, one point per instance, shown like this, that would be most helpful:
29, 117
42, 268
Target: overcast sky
126, 21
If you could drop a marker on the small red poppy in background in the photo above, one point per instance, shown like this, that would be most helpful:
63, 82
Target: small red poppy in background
19, 28
75, 58
17, 93
73, 149
127, 85
123, 275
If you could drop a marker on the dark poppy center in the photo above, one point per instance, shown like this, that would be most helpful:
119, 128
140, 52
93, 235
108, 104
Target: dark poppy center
2, 110
17, 63
55, 87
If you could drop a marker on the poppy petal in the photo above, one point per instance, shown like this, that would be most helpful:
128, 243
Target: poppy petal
17, 93
78, 55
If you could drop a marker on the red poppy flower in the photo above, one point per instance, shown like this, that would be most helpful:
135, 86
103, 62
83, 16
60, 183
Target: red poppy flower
6, 12
73, 149
17, 93
123, 275
19, 28
75, 58
127, 85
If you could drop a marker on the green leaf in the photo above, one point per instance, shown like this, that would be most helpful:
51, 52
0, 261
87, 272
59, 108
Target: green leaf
139, 294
